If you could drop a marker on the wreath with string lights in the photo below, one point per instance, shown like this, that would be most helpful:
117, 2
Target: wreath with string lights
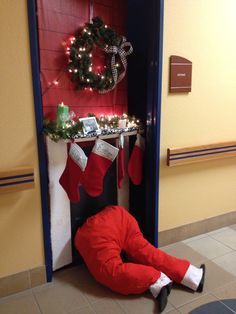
116, 48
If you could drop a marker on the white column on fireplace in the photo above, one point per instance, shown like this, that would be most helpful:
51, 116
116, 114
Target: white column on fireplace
60, 216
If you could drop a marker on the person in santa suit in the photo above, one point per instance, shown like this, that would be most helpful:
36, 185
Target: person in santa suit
102, 239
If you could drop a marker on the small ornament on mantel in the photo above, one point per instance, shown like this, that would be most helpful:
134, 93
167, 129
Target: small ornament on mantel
122, 123
62, 115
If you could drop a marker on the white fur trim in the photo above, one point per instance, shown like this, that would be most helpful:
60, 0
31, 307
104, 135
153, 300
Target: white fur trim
192, 277
162, 281
78, 155
140, 142
105, 150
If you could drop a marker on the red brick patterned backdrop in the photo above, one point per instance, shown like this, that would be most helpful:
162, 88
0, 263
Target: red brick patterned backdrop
57, 21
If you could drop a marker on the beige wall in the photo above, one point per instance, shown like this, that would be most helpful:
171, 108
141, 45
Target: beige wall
203, 31
21, 237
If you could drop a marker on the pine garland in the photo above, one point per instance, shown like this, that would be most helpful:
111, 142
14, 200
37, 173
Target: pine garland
74, 128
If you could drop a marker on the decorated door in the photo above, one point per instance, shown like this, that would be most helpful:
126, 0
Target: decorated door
63, 63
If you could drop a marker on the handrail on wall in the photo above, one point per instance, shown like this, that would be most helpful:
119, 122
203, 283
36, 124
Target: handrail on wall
16, 179
188, 155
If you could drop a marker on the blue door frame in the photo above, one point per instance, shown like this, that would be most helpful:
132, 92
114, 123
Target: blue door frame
153, 25
145, 31
156, 14
34, 52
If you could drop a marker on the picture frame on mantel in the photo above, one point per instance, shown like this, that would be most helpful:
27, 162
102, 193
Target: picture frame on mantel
90, 125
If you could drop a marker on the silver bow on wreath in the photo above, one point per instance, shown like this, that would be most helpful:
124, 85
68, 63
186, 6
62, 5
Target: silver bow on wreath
122, 54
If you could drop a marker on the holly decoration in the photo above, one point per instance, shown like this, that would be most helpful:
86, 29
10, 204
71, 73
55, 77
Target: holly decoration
80, 49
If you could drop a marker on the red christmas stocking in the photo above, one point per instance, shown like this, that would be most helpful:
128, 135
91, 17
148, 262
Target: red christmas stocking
135, 165
121, 167
72, 174
100, 159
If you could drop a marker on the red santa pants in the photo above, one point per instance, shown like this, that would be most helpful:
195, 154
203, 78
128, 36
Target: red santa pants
102, 238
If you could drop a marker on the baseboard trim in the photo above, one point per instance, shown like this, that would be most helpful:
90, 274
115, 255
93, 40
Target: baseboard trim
22, 281
193, 229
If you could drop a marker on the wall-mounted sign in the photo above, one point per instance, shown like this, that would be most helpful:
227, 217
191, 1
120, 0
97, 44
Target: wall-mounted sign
180, 75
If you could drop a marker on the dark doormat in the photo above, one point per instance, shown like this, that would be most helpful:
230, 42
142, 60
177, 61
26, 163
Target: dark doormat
227, 306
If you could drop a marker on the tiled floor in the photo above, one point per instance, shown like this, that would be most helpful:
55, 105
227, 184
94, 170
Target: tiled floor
74, 291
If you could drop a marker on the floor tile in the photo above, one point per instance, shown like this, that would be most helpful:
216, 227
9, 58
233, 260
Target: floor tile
196, 303
59, 298
139, 305
169, 308
181, 295
83, 310
226, 292
77, 274
233, 227
107, 306
182, 250
96, 292
209, 247
227, 262
127, 302
81, 279
23, 305
200, 236
18, 295
218, 231
216, 276
227, 237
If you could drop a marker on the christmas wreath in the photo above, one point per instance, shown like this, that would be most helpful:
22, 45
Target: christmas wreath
97, 34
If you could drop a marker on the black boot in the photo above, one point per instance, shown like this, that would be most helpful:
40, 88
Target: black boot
162, 297
201, 284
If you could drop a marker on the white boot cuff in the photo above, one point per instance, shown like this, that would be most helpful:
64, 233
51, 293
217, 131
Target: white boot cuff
162, 281
192, 277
